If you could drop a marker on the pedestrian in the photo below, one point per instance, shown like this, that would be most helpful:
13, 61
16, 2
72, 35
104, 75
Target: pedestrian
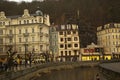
97, 77
16, 64
5, 65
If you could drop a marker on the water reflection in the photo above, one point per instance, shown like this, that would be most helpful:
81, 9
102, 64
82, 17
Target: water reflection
73, 74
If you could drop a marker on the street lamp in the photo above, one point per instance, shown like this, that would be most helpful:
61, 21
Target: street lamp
118, 46
25, 53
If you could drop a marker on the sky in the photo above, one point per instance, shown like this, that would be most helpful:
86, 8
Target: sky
20, 0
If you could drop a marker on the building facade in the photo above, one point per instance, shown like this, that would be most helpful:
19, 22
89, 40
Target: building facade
27, 32
53, 38
93, 52
68, 42
108, 36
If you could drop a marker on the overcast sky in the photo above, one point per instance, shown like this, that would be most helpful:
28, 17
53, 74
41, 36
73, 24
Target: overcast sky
20, 0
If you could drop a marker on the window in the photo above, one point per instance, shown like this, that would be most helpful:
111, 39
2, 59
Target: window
65, 40
1, 32
20, 49
33, 39
40, 30
69, 45
40, 20
68, 32
61, 46
26, 40
27, 21
69, 53
62, 27
10, 40
65, 46
10, 31
41, 37
26, 31
19, 31
41, 47
35, 21
65, 33
32, 30
32, 20
3, 23
19, 22
61, 39
65, 53
61, 53
69, 39
20, 40
75, 51
61, 33
24, 21
116, 36
74, 32
75, 39
76, 45
113, 36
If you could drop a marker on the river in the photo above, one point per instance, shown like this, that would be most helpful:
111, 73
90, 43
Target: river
82, 73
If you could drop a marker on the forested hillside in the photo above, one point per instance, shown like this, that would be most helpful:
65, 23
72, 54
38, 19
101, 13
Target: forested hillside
94, 12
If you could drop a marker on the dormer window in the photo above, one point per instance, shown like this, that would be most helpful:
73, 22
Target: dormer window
35, 21
39, 13
19, 22
26, 13
27, 21
3, 23
32, 21
62, 27
24, 21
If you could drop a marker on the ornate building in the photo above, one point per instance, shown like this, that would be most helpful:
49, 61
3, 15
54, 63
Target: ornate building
24, 33
68, 42
108, 36
53, 41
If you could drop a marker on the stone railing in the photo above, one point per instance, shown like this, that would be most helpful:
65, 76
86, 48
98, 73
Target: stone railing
30, 72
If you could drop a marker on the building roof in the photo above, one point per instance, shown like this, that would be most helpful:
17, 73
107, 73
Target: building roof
108, 26
67, 27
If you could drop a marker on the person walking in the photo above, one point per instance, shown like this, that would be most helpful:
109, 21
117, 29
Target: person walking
97, 77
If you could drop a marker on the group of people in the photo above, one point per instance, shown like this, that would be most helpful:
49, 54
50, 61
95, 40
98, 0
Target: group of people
9, 64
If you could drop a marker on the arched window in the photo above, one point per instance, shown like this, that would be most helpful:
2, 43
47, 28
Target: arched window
24, 21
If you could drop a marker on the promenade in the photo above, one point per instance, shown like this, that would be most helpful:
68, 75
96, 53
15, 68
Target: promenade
115, 67
110, 70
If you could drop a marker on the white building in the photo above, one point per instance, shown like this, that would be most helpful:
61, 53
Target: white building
108, 36
27, 30
68, 42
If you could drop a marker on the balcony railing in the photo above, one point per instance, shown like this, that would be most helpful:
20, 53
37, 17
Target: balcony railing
10, 35
26, 34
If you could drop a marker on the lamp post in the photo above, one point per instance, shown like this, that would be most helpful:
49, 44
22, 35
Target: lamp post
118, 46
25, 53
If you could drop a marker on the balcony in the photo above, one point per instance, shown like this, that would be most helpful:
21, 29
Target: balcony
26, 34
10, 35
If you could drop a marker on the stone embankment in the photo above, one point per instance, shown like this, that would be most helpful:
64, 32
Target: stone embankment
36, 71
110, 70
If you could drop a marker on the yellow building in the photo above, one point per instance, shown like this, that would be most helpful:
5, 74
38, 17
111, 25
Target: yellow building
108, 36
93, 52
30, 31
68, 42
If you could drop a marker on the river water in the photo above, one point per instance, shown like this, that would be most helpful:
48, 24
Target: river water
82, 73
